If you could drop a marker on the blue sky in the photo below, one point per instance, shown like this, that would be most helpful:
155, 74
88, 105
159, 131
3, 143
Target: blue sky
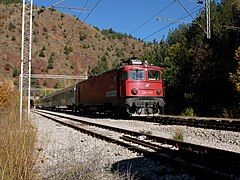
126, 15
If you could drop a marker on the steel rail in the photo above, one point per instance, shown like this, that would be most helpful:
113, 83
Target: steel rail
218, 153
225, 124
202, 122
160, 153
221, 168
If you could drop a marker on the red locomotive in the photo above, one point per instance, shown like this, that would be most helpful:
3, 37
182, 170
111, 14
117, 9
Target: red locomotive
135, 89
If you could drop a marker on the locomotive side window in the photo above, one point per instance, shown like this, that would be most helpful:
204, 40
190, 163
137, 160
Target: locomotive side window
136, 74
153, 75
124, 76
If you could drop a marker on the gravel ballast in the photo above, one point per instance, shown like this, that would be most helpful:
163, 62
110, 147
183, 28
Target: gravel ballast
226, 140
68, 154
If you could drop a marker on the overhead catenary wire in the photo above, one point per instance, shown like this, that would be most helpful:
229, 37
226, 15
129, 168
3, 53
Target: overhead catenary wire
184, 7
163, 9
59, 2
232, 28
84, 18
76, 21
172, 20
180, 18
73, 8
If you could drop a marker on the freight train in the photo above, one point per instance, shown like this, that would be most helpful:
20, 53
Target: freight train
135, 88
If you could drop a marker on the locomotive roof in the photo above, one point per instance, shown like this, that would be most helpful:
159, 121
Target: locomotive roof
128, 67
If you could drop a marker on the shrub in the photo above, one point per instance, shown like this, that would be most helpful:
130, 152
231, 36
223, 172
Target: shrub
41, 54
82, 37
13, 38
44, 29
45, 83
52, 9
146, 132
35, 83
86, 46
11, 26
178, 135
188, 112
15, 73
35, 39
51, 61
57, 85
67, 50
50, 66
7, 67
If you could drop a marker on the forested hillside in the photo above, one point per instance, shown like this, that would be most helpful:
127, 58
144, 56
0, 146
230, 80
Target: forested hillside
62, 44
202, 76
10, 1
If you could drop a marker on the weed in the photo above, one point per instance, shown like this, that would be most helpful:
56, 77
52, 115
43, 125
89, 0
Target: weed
16, 142
146, 132
178, 134
188, 112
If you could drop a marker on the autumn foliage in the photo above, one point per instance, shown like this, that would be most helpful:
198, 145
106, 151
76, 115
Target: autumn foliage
16, 142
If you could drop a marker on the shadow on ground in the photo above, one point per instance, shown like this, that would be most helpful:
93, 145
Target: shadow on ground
145, 168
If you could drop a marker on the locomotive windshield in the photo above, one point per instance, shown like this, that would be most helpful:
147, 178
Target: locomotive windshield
136, 74
153, 75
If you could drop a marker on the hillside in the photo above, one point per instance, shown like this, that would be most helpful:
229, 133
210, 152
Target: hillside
88, 47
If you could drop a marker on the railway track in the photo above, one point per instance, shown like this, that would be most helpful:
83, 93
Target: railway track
201, 122
199, 160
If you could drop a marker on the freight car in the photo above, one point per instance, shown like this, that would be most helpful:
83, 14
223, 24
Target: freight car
134, 89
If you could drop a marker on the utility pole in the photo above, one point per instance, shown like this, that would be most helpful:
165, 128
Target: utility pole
26, 51
208, 19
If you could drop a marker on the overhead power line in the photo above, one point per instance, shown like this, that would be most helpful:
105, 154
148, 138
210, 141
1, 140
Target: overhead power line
232, 27
84, 18
76, 21
59, 2
158, 18
73, 8
178, 19
191, 15
153, 16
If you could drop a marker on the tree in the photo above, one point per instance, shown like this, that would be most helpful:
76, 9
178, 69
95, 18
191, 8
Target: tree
10, 1
57, 85
41, 54
196, 69
15, 73
51, 61
102, 66
45, 83
11, 26
235, 77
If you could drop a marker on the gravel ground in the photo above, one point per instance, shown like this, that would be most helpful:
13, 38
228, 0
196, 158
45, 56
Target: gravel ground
68, 154
227, 140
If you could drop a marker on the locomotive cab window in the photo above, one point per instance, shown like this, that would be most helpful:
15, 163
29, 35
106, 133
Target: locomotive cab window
153, 75
136, 74
124, 76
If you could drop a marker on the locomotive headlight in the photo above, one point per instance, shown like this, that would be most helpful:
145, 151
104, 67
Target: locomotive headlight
134, 91
158, 91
